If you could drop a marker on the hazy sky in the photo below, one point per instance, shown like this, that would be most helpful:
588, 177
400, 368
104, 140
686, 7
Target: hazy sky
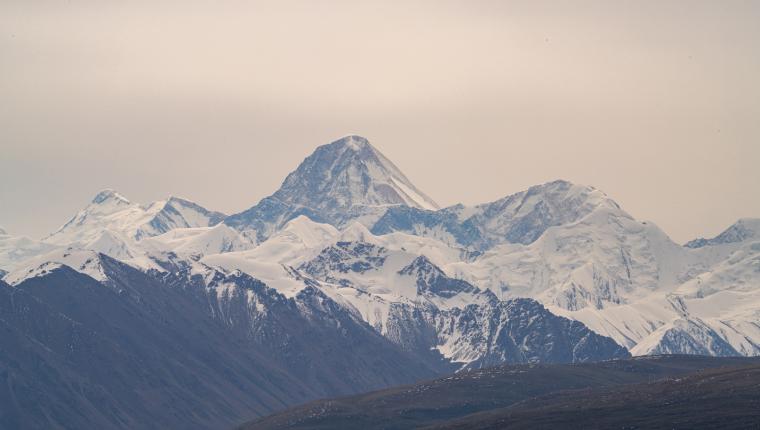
656, 103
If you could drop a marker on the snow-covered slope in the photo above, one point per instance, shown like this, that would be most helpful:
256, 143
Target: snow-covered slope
578, 252
342, 182
413, 302
391, 283
195, 243
273, 260
706, 301
719, 310
16, 249
604, 258
518, 218
348, 224
111, 221
83, 261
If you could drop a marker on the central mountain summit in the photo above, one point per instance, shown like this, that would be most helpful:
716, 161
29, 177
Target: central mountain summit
344, 181
350, 172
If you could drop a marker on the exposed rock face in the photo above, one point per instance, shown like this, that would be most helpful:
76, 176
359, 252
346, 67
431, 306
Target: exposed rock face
467, 326
432, 281
519, 331
344, 181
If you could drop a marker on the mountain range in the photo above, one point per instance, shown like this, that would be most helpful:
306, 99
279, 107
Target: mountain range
347, 278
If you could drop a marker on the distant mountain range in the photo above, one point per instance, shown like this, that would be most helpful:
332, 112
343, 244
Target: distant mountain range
347, 278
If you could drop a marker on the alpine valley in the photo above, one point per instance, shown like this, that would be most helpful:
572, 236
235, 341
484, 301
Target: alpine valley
346, 279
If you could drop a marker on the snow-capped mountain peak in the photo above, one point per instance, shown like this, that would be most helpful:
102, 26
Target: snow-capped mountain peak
178, 213
517, 218
350, 172
123, 221
110, 196
524, 216
745, 228
339, 183
348, 224
354, 142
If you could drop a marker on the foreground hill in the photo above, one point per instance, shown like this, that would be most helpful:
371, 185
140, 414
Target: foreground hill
722, 398
589, 395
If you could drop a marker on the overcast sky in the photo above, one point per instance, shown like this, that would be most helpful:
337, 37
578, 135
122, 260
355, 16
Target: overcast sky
656, 103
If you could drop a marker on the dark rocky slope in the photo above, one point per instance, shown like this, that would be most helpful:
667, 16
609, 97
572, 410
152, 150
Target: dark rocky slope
139, 352
611, 394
